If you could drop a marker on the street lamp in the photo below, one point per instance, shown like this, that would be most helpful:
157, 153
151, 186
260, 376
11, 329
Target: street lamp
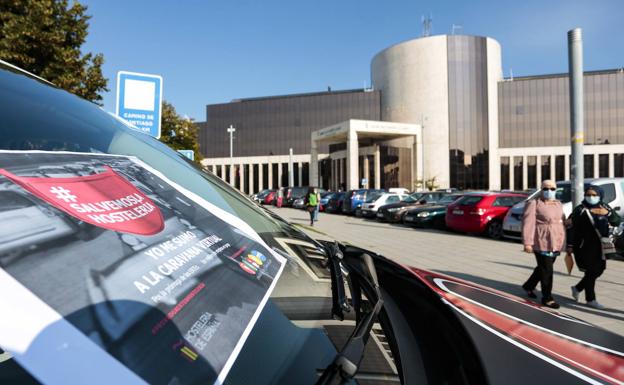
231, 131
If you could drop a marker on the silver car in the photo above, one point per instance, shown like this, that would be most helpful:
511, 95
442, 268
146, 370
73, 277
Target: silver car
613, 195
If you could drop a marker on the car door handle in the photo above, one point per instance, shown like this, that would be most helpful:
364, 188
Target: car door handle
617, 208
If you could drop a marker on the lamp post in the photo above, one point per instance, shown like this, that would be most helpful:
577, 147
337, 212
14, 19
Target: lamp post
231, 131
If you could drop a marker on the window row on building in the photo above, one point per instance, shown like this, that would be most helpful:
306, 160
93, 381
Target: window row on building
525, 171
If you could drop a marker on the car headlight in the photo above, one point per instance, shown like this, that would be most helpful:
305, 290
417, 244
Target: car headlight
394, 210
423, 214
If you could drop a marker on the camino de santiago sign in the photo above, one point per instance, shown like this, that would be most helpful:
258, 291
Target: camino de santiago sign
118, 275
139, 101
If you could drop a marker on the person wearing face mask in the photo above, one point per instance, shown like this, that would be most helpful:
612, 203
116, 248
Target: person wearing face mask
543, 234
590, 223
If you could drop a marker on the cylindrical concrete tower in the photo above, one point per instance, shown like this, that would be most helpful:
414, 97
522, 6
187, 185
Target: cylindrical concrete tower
448, 84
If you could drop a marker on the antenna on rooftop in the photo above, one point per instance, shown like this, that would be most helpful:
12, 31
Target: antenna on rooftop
426, 24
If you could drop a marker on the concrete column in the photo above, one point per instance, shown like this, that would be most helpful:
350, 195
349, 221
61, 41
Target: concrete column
596, 166
611, 165
223, 171
271, 186
352, 160
377, 165
366, 170
250, 184
213, 168
512, 173
241, 177
300, 173
260, 177
525, 171
538, 173
313, 171
553, 175
232, 174
279, 174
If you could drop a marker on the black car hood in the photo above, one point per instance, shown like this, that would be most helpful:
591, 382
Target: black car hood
432, 207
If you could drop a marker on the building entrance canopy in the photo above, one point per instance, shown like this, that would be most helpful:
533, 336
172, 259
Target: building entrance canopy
352, 132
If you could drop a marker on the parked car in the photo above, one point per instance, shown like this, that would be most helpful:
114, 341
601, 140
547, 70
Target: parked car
481, 212
299, 203
279, 196
294, 193
375, 201
399, 190
613, 195
73, 314
430, 215
269, 197
325, 197
334, 205
394, 212
259, 196
355, 198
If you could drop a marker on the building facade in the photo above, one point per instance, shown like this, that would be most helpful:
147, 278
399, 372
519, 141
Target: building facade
476, 130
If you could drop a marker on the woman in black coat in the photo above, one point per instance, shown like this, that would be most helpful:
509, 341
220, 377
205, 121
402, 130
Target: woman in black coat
583, 241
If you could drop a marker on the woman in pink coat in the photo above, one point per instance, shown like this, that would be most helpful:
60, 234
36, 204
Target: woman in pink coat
543, 234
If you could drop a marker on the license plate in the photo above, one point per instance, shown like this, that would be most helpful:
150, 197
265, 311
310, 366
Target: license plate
515, 229
409, 218
458, 212
380, 215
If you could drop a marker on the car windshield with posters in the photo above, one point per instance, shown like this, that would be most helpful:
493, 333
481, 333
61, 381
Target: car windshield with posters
292, 334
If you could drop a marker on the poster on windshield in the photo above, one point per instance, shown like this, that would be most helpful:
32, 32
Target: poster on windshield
111, 265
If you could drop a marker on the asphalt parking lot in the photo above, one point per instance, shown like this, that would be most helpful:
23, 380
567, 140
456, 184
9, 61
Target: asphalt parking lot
498, 264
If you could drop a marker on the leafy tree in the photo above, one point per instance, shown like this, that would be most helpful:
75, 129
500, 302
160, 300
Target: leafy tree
44, 37
179, 133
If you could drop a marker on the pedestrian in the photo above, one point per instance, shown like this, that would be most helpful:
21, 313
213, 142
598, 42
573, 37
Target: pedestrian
311, 203
588, 237
318, 204
543, 234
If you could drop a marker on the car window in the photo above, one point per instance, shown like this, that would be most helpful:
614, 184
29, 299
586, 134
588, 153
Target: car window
503, 202
373, 197
609, 192
470, 200
393, 199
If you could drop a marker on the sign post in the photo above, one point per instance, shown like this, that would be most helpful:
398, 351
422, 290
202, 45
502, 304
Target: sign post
139, 101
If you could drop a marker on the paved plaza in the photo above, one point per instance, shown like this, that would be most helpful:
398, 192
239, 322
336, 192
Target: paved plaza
498, 264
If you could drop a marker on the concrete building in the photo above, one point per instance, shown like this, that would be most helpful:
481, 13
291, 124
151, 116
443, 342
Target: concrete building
470, 127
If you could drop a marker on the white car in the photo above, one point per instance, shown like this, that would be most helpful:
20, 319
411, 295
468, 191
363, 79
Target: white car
613, 195
376, 200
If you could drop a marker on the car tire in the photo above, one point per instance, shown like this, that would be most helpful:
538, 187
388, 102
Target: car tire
495, 229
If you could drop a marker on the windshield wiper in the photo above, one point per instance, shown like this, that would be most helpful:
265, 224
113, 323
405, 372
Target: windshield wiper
362, 275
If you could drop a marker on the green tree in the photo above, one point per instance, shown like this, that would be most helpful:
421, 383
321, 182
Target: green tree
44, 37
179, 133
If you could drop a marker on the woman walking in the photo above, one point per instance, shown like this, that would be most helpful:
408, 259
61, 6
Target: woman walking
543, 234
311, 204
590, 226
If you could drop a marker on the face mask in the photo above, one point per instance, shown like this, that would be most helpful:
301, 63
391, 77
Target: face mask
549, 194
592, 200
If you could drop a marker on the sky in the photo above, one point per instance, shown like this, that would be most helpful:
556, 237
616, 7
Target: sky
213, 51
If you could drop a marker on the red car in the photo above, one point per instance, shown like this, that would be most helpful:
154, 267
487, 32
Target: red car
481, 212
268, 198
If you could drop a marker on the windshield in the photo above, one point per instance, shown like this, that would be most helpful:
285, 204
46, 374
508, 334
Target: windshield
448, 199
373, 196
36, 116
413, 198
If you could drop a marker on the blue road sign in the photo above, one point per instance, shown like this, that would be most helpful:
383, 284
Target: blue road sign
139, 101
188, 153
